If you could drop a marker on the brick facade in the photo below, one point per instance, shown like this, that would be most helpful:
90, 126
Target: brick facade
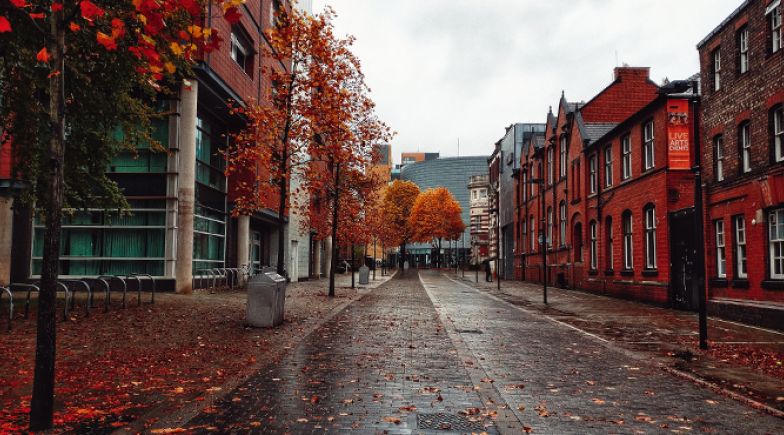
742, 194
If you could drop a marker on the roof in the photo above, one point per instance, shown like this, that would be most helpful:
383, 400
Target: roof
723, 23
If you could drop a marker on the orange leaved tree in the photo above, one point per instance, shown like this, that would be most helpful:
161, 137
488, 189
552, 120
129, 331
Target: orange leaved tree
396, 205
72, 75
436, 216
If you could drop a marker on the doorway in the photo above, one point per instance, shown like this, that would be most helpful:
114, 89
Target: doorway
683, 253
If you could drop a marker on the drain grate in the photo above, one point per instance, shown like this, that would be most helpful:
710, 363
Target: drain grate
469, 331
442, 421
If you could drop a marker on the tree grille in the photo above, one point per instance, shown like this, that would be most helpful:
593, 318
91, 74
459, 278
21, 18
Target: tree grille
450, 422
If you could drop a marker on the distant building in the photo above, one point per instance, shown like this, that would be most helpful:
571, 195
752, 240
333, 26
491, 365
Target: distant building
506, 156
453, 173
408, 158
478, 187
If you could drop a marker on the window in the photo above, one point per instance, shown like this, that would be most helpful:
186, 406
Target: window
562, 168
608, 233
549, 226
740, 247
593, 247
744, 140
628, 261
533, 233
718, 152
550, 166
650, 237
626, 157
717, 69
592, 173
483, 193
721, 255
743, 50
241, 51
523, 233
647, 137
775, 27
778, 133
577, 237
608, 166
776, 241
525, 185
562, 223
474, 194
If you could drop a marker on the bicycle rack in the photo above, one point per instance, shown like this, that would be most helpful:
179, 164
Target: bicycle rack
138, 288
152, 280
202, 273
107, 293
87, 290
35, 287
109, 278
4, 290
218, 276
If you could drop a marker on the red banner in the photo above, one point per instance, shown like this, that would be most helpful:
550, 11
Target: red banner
678, 134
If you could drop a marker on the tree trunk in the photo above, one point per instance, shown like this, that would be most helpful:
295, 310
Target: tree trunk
334, 232
402, 258
283, 187
353, 260
42, 402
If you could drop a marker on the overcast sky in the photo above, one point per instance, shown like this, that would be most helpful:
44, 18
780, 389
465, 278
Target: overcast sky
447, 69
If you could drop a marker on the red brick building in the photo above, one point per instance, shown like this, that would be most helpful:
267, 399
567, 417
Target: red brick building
555, 175
742, 68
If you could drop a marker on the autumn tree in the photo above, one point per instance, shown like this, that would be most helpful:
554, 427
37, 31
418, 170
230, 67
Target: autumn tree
436, 216
79, 80
278, 131
396, 206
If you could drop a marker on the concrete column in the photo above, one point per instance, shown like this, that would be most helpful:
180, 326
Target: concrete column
327, 255
186, 186
317, 259
243, 241
6, 237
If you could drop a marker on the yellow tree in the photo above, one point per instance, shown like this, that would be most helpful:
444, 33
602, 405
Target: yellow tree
396, 205
436, 216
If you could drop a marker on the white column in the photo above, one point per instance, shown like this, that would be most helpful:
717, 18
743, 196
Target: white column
186, 186
6, 236
243, 241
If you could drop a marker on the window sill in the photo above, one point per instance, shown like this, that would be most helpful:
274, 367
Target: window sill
627, 272
719, 282
609, 272
650, 272
740, 283
773, 284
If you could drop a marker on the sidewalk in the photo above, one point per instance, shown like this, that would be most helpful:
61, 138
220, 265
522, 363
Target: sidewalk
741, 359
148, 365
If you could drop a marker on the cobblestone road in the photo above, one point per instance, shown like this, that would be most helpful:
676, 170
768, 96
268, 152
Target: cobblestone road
405, 359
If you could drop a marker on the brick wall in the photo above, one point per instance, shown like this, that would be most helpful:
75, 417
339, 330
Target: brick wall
742, 97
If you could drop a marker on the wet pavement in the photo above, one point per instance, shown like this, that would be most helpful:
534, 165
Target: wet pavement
445, 358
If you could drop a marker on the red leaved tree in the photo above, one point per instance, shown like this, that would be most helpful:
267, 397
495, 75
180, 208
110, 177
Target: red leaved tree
84, 42
395, 229
436, 216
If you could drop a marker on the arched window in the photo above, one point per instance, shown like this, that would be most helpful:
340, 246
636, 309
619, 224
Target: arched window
608, 244
628, 253
563, 157
650, 236
534, 236
550, 163
577, 241
562, 223
592, 230
549, 226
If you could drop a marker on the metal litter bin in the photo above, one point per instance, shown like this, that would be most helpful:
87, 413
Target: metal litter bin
266, 300
364, 275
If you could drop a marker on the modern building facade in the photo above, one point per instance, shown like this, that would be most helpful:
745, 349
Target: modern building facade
506, 159
478, 188
453, 173
742, 68
179, 221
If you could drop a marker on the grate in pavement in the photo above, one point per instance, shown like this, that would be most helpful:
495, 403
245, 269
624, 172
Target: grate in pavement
443, 421
470, 331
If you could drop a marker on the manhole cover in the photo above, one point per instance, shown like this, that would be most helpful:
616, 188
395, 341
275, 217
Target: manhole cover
469, 331
442, 421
